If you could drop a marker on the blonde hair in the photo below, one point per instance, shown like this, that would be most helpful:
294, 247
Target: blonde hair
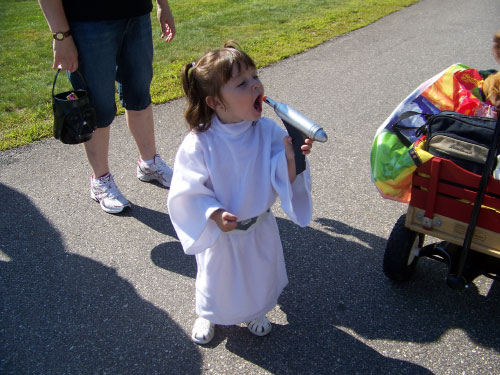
491, 86
206, 77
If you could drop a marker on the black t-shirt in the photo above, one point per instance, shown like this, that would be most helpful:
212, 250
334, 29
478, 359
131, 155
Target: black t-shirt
100, 10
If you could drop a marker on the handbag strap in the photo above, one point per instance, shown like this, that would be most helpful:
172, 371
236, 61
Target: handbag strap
396, 128
55, 79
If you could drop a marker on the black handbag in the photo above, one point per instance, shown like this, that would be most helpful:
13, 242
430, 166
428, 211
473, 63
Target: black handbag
463, 139
74, 117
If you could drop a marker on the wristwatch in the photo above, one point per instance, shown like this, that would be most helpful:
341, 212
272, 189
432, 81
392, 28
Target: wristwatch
60, 35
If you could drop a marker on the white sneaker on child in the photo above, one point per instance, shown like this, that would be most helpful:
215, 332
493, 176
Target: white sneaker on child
203, 331
155, 170
260, 326
105, 191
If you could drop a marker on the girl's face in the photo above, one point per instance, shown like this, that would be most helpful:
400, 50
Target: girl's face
241, 97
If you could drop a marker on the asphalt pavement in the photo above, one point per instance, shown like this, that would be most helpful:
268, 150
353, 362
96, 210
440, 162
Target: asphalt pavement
85, 292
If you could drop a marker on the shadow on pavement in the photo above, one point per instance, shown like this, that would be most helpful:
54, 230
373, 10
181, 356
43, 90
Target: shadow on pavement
338, 292
64, 313
156, 220
170, 256
418, 311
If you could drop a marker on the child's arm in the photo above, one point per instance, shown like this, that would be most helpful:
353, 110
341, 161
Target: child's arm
290, 155
225, 221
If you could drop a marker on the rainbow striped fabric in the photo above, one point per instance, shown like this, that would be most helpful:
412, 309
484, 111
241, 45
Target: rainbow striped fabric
457, 88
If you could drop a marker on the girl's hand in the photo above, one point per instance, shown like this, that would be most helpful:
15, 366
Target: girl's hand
290, 154
306, 147
226, 221
287, 142
290, 158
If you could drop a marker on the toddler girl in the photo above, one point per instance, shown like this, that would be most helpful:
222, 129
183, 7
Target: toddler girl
228, 172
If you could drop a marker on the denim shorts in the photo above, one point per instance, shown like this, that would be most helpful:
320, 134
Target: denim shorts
116, 50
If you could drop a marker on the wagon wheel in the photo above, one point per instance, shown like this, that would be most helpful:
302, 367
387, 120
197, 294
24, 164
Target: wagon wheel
401, 252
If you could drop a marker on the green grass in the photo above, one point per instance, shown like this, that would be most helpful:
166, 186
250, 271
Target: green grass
267, 30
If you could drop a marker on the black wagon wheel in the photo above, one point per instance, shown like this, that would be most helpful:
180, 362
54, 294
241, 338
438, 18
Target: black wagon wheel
401, 252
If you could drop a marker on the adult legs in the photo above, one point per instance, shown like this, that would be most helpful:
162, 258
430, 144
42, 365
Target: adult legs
97, 151
98, 44
141, 126
102, 186
150, 167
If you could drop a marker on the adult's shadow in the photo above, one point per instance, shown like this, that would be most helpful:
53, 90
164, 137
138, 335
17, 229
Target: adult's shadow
65, 313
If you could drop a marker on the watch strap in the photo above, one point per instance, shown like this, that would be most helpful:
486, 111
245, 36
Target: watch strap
60, 35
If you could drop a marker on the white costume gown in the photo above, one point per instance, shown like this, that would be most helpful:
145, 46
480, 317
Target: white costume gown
240, 168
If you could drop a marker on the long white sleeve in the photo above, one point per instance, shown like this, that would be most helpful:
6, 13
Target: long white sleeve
191, 201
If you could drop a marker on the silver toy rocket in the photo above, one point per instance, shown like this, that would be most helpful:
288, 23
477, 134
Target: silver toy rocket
298, 120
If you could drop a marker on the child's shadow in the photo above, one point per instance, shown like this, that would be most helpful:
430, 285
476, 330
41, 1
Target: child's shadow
170, 256
336, 287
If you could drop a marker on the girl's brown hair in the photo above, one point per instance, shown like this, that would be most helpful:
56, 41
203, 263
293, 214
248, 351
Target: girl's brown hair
206, 77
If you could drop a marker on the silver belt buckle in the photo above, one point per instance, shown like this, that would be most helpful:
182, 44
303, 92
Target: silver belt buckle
245, 224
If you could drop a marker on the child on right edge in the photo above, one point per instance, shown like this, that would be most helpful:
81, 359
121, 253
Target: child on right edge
228, 172
496, 46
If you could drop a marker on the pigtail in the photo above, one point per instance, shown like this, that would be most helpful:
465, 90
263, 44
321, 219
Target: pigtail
185, 77
197, 113
232, 44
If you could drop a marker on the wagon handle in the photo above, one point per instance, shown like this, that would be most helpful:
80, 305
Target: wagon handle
457, 281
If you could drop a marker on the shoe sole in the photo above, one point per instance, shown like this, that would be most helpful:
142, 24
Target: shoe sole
110, 210
260, 334
200, 342
152, 179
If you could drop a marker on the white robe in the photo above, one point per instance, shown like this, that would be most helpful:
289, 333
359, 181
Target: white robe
240, 168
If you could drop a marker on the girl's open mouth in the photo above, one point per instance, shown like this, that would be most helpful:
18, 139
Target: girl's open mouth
258, 103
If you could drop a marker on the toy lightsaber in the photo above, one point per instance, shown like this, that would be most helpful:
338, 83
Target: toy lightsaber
297, 120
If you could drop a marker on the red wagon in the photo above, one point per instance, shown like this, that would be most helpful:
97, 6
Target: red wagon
443, 198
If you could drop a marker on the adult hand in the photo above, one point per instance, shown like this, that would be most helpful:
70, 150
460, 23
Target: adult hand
166, 20
65, 55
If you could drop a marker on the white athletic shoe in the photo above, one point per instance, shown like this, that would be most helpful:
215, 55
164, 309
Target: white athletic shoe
157, 171
105, 191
